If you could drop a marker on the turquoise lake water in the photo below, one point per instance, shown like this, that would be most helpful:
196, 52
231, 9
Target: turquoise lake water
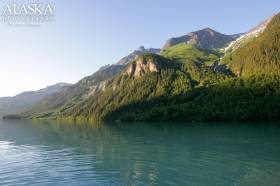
50, 153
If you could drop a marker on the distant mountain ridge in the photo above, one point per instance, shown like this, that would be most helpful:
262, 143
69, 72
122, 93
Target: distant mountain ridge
20, 102
87, 86
205, 38
192, 78
136, 53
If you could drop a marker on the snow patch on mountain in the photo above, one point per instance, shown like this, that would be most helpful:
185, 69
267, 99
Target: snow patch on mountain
248, 35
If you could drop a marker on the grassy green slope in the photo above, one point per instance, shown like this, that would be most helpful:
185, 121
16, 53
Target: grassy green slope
175, 77
185, 87
186, 53
196, 62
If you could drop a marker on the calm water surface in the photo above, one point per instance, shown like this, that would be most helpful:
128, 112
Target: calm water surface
48, 153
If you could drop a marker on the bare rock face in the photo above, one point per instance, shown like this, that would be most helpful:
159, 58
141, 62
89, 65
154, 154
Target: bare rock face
205, 38
141, 67
101, 86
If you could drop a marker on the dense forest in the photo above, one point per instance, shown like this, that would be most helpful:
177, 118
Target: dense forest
189, 89
188, 83
174, 78
256, 98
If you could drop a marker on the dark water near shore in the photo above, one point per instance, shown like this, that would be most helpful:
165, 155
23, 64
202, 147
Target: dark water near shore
48, 153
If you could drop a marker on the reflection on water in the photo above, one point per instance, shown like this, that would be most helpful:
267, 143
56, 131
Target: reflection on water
49, 153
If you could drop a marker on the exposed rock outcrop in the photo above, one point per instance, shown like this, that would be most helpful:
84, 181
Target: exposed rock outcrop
136, 53
142, 66
205, 38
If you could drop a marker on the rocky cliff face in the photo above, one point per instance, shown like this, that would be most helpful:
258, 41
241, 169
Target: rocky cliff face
136, 53
205, 38
182, 67
142, 66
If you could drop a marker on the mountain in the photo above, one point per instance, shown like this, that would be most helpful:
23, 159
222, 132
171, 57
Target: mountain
181, 84
140, 51
248, 36
84, 88
75, 93
191, 79
108, 78
18, 103
150, 77
261, 55
205, 38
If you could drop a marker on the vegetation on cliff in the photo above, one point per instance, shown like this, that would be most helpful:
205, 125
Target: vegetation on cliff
184, 82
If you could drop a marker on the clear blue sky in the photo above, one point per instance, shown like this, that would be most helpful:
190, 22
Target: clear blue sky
87, 34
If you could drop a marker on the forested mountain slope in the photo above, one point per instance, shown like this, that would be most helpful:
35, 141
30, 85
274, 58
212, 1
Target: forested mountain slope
189, 80
20, 102
190, 89
261, 55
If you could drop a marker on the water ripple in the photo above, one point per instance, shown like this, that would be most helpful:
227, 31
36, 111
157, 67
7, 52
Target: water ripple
134, 155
